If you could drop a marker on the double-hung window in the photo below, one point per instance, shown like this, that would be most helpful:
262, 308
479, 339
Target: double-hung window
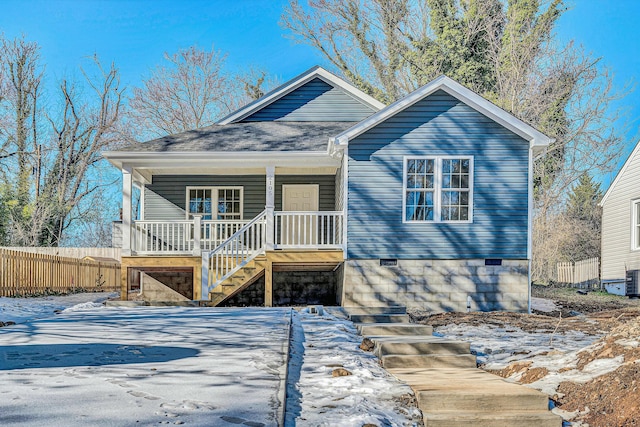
438, 189
219, 203
635, 225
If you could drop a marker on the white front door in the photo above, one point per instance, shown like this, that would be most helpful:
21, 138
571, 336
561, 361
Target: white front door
300, 229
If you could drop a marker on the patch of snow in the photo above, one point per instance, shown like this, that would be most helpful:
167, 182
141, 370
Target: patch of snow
543, 304
628, 343
83, 306
20, 310
497, 347
549, 384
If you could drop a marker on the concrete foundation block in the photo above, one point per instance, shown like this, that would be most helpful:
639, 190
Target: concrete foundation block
438, 285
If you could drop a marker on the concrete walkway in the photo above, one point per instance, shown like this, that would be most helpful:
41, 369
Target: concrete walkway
450, 390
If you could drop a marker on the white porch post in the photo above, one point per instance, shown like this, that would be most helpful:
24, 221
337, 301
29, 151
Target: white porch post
270, 206
197, 228
127, 187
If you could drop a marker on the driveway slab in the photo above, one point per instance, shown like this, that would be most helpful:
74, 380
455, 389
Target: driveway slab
145, 366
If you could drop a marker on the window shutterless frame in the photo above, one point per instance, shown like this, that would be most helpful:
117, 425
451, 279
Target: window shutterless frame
635, 225
214, 200
442, 189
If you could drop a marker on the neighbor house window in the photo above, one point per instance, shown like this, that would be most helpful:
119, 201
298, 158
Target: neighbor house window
635, 226
438, 189
220, 203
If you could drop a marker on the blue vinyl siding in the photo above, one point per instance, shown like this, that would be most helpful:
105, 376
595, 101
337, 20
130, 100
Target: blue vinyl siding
438, 125
315, 101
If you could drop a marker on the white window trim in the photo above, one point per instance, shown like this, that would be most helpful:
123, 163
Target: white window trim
635, 207
437, 189
214, 198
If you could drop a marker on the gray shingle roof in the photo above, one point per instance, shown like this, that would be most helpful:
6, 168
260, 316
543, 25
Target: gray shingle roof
253, 136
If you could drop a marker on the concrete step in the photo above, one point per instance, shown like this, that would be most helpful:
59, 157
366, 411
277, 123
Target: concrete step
500, 419
469, 390
408, 345
481, 397
393, 329
429, 361
379, 318
376, 310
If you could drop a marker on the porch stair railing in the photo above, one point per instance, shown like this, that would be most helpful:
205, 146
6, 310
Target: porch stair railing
238, 250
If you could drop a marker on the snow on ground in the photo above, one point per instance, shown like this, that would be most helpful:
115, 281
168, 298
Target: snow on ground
497, 347
20, 310
543, 304
144, 366
322, 343
71, 361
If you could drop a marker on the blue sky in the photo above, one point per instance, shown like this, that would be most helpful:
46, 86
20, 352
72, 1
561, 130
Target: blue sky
135, 34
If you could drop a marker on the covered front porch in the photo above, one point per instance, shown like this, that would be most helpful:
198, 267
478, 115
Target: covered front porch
203, 216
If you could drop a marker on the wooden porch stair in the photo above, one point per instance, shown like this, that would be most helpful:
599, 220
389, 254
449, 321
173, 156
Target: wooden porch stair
266, 264
241, 280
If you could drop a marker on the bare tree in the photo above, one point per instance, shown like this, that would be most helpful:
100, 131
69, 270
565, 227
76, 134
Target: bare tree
50, 157
192, 90
86, 127
504, 51
183, 95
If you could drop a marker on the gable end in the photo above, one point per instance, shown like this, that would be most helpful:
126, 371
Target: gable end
363, 101
314, 101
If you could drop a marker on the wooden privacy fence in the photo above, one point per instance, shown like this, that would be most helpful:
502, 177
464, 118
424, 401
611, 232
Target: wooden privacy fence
583, 273
24, 273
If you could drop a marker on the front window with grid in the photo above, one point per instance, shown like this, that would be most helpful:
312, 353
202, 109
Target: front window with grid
215, 202
229, 203
438, 189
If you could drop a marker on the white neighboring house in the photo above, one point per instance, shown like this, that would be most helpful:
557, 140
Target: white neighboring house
621, 222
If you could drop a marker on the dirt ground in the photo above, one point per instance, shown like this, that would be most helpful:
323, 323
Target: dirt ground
612, 399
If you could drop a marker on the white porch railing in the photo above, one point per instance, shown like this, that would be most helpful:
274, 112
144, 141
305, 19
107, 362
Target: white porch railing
291, 230
162, 237
216, 232
237, 250
180, 236
315, 229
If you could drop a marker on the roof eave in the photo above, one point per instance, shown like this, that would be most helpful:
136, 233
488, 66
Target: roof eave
197, 159
455, 89
634, 153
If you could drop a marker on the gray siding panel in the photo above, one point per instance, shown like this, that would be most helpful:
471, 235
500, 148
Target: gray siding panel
438, 125
158, 208
617, 256
173, 188
169, 192
314, 101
